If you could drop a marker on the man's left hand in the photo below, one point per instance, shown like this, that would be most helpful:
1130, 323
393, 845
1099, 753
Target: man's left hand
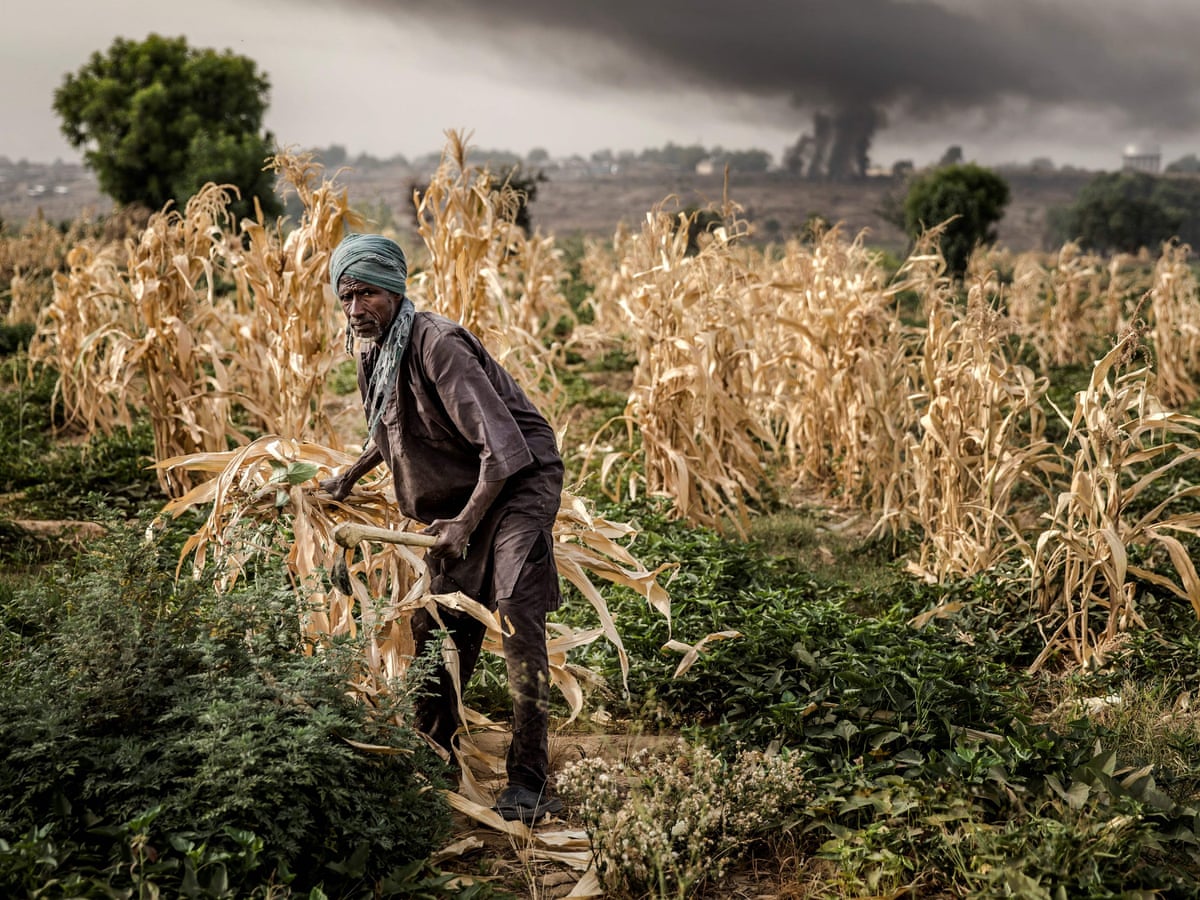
452, 537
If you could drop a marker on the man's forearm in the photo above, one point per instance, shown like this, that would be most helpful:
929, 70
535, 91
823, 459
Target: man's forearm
479, 503
339, 486
453, 535
370, 458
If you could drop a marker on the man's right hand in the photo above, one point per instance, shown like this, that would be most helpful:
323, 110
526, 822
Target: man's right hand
338, 487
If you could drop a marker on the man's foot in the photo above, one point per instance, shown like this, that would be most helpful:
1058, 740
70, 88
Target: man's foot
521, 804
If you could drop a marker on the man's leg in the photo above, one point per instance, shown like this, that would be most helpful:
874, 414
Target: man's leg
436, 712
523, 629
524, 634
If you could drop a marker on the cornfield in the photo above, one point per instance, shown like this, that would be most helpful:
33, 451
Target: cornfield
758, 372
151, 325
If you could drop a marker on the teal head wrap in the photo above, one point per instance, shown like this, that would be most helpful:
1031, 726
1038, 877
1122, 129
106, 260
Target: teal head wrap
370, 258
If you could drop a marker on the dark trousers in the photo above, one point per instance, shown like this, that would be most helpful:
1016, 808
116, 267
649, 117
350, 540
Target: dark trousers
523, 629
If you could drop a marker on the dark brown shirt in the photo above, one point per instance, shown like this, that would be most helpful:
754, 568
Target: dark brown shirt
457, 418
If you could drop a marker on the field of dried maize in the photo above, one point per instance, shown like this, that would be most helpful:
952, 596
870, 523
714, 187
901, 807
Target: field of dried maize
759, 375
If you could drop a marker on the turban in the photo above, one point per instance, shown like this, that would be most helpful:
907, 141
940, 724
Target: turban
371, 258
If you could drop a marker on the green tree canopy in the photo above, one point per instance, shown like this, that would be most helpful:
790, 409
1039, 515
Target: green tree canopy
975, 195
157, 120
1187, 165
1125, 211
752, 160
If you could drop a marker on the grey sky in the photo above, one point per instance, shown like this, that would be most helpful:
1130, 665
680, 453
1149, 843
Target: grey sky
1008, 80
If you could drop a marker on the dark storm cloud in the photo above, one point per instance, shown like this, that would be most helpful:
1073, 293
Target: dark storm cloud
920, 59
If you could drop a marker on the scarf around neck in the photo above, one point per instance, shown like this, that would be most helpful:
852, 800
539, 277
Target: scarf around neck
385, 370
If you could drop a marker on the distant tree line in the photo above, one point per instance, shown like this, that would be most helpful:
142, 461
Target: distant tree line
1125, 211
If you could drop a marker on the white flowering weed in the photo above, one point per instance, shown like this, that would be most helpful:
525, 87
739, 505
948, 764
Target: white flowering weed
661, 824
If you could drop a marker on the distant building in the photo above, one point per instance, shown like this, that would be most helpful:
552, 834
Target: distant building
1142, 158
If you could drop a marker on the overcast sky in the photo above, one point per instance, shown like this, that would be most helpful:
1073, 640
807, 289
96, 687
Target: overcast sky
1008, 80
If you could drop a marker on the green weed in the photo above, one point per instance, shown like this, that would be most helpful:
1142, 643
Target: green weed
196, 729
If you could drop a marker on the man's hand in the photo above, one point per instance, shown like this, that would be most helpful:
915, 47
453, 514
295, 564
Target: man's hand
452, 538
452, 534
338, 487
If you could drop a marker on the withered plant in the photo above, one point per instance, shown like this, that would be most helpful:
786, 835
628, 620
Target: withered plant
1068, 308
691, 416
981, 436
1175, 314
1101, 539
832, 368
290, 332
483, 271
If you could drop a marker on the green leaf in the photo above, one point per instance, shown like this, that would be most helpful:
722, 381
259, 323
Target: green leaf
299, 472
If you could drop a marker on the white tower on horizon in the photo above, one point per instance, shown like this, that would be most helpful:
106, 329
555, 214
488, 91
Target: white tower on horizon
1142, 158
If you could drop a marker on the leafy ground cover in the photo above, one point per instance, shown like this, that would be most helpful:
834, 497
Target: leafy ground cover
161, 737
931, 761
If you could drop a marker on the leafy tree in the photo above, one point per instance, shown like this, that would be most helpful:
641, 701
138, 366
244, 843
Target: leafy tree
974, 197
157, 119
1189, 165
952, 157
752, 160
1124, 211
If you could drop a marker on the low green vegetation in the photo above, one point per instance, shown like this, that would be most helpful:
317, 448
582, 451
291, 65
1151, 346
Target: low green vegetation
929, 755
161, 738
45, 474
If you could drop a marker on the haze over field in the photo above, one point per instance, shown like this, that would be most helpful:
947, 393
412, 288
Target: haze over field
1072, 81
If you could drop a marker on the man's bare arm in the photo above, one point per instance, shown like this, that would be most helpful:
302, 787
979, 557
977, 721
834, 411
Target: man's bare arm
339, 486
453, 534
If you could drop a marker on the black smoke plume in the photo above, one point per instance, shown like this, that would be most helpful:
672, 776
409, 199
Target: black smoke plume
855, 61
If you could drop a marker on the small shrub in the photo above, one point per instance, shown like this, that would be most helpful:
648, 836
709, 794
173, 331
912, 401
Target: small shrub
974, 196
662, 825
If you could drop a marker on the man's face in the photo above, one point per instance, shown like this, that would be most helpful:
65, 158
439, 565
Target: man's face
369, 309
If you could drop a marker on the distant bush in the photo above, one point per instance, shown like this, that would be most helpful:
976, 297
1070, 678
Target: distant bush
974, 196
1125, 211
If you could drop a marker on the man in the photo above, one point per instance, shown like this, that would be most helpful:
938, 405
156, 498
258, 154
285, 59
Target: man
471, 457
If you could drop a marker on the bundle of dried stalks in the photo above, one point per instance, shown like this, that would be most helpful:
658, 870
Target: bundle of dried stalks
694, 397
1067, 310
1128, 447
264, 504
832, 367
981, 436
291, 332
1175, 313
